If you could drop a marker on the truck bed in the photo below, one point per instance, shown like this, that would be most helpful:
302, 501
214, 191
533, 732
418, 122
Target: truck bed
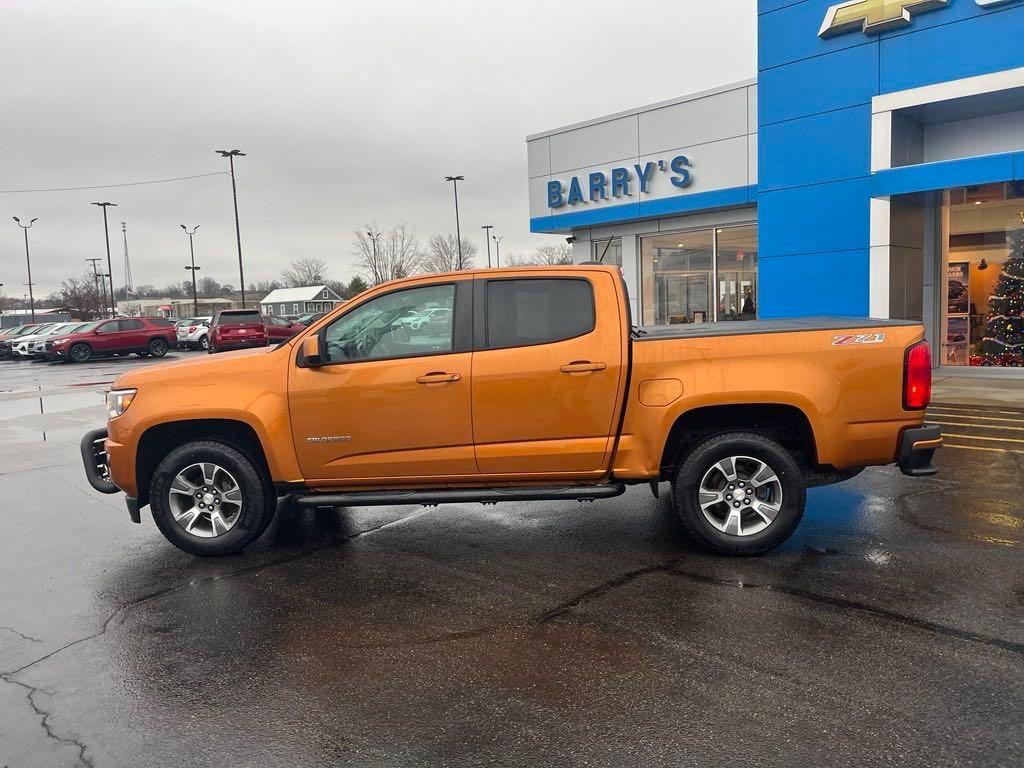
752, 327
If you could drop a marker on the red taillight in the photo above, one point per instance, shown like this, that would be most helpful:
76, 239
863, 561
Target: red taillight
917, 377
192, 328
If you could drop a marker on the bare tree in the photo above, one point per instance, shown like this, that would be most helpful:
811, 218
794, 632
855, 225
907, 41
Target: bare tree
304, 272
78, 295
552, 255
443, 254
395, 255
515, 260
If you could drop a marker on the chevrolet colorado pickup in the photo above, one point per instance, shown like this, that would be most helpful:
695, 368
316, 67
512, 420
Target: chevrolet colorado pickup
534, 385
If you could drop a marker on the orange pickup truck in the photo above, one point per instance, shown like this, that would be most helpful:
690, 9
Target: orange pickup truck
511, 385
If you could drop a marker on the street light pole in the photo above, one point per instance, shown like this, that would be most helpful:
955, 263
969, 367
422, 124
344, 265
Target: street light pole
487, 236
193, 268
231, 154
497, 252
28, 265
97, 284
458, 233
110, 268
373, 239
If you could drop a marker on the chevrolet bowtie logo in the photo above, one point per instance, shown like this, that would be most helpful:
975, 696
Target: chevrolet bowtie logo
874, 16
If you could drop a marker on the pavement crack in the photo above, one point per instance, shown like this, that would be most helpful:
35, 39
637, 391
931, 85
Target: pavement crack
22, 635
856, 606
601, 589
44, 719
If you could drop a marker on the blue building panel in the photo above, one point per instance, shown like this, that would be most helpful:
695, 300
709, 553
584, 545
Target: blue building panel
766, 6
834, 283
812, 150
823, 217
791, 34
821, 84
978, 45
949, 173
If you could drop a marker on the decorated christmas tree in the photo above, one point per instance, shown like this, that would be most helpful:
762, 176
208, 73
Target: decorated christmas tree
1003, 342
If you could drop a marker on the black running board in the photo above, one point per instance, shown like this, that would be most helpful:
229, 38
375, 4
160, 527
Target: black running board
459, 496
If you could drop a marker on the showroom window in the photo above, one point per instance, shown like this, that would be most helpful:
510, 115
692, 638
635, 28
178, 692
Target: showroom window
983, 267
699, 276
607, 251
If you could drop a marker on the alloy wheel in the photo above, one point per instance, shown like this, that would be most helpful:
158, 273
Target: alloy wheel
740, 495
205, 500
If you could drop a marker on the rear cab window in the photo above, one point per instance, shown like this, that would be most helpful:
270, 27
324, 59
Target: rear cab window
523, 312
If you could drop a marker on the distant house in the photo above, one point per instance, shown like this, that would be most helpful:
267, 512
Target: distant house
299, 301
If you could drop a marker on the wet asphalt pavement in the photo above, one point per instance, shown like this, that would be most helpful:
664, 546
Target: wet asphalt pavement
888, 631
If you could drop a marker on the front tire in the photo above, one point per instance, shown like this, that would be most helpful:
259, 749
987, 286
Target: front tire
209, 498
739, 493
80, 353
157, 348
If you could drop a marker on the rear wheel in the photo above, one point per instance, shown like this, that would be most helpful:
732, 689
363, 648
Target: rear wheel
209, 498
204, 343
80, 353
157, 348
739, 493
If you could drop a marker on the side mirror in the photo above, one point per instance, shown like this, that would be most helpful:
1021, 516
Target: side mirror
310, 355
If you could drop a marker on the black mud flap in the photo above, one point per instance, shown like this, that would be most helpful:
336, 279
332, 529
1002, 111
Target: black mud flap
94, 457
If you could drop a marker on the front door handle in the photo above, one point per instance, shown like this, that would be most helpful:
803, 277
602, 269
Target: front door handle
438, 377
582, 366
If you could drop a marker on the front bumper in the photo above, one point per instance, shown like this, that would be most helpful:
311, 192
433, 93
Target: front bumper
917, 447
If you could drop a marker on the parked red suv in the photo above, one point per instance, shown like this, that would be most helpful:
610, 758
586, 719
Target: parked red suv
237, 329
151, 336
281, 328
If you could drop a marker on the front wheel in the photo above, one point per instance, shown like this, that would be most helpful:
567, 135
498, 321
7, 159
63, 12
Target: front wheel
740, 493
80, 353
209, 498
157, 348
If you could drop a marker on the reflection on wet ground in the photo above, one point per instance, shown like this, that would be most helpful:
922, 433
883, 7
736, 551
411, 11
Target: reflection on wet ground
889, 630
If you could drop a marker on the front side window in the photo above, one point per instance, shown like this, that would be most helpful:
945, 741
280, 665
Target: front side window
110, 327
525, 312
400, 324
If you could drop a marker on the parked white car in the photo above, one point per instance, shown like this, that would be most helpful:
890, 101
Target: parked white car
34, 345
195, 333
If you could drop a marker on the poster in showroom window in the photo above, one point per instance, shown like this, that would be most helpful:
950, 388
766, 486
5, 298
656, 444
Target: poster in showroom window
958, 307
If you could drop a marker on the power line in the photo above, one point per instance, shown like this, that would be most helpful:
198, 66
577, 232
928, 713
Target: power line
111, 186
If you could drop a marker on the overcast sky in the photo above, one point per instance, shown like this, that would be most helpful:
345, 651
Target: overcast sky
350, 112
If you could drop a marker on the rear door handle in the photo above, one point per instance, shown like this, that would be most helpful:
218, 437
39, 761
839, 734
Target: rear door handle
582, 366
438, 377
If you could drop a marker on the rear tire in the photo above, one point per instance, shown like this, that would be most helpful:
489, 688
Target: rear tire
157, 348
80, 353
739, 493
204, 343
210, 499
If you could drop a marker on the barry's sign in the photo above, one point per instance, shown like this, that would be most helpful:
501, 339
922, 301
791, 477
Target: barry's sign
620, 182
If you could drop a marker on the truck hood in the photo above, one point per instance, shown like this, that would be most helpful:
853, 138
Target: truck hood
204, 371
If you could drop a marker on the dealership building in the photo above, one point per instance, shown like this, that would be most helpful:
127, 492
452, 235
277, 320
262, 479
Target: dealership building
874, 168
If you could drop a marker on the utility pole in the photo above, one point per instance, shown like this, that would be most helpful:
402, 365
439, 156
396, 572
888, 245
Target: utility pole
101, 294
231, 154
487, 237
458, 234
497, 252
193, 268
28, 264
110, 268
127, 263
373, 239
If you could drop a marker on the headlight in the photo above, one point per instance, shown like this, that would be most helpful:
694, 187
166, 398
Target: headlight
60, 341
118, 401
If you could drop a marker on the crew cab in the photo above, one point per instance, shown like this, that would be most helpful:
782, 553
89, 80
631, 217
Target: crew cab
534, 386
236, 329
145, 336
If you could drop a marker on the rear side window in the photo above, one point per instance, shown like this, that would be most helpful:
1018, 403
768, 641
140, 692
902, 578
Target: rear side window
130, 325
529, 311
161, 322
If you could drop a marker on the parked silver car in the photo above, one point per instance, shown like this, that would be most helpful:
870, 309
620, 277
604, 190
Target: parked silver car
194, 334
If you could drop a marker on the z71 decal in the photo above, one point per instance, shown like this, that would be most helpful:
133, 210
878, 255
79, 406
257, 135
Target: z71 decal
858, 338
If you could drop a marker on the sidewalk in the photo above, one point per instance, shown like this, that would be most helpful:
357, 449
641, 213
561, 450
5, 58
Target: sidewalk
978, 391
